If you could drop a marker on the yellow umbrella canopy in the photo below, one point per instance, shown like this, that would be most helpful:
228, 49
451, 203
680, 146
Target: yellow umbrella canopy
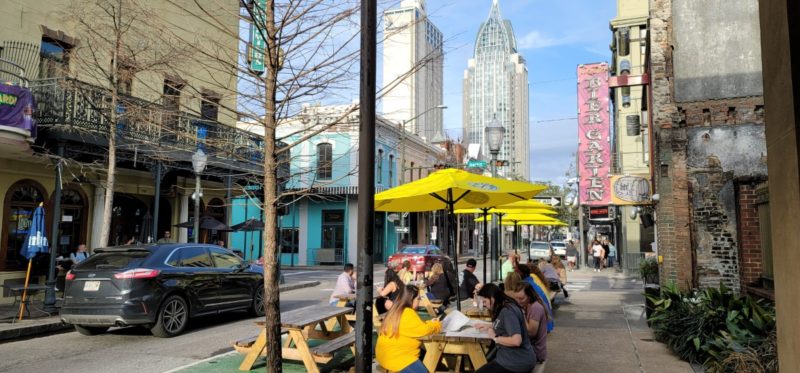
454, 189
507, 211
535, 222
529, 204
522, 217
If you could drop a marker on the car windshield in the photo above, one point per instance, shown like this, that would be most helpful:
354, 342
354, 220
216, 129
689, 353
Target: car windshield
539, 246
114, 260
414, 250
559, 244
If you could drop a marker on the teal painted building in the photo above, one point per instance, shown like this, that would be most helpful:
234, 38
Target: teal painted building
321, 219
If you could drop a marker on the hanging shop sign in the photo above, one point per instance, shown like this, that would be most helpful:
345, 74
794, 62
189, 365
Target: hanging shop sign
630, 190
594, 147
16, 108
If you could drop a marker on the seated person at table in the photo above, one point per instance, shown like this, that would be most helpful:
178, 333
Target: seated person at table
345, 285
388, 293
510, 265
405, 273
468, 282
398, 347
535, 313
550, 274
562, 274
509, 332
438, 285
535, 280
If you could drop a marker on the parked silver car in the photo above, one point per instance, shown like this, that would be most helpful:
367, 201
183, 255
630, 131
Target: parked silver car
559, 248
539, 250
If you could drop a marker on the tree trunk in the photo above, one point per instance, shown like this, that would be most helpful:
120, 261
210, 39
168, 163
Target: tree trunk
271, 282
108, 205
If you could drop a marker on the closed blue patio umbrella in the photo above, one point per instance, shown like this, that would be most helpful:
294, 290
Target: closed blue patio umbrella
35, 242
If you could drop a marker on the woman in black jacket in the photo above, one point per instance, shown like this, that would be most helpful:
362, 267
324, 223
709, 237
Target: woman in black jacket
438, 285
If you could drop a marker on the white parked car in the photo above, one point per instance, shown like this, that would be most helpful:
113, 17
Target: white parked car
559, 248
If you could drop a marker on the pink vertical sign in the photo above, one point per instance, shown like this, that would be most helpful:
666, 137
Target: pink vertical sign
594, 148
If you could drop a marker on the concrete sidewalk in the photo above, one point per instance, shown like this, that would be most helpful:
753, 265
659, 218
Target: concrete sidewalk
41, 323
602, 328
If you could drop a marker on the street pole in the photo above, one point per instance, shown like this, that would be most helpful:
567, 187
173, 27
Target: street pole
583, 243
50, 292
196, 228
495, 231
366, 185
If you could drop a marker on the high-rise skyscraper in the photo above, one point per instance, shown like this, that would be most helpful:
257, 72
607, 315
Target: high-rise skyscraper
496, 86
412, 65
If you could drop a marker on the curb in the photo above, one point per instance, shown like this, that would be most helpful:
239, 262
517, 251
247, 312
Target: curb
36, 330
301, 285
33, 331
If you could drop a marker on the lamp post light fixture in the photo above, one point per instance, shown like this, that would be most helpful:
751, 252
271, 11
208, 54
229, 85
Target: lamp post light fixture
199, 162
494, 133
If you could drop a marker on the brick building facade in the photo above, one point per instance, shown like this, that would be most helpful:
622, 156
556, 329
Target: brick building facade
708, 117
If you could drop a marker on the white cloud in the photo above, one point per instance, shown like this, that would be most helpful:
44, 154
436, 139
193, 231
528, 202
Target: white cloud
536, 39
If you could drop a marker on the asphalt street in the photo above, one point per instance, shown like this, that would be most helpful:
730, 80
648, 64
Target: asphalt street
134, 349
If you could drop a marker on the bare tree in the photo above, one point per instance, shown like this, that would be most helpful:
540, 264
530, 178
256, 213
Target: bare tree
116, 45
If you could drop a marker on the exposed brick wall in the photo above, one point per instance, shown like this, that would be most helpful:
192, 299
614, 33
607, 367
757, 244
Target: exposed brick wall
746, 110
750, 255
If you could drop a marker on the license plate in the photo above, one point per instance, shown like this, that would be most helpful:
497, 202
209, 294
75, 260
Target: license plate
91, 285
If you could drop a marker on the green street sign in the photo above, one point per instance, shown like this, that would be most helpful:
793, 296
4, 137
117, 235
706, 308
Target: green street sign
257, 43
474, 163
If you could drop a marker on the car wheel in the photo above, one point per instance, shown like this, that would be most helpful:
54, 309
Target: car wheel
91, 330
172, 318
257, 309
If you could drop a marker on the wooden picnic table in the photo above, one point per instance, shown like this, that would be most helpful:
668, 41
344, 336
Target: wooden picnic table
471, 344
301, 325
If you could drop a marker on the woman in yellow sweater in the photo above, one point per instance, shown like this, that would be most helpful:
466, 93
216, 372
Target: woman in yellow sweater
398, 347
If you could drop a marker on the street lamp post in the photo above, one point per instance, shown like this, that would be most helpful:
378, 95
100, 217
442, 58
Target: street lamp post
199, 162
403, 158
494, 133
581, 250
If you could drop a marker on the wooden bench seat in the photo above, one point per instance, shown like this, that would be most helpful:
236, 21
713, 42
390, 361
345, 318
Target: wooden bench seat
327, 349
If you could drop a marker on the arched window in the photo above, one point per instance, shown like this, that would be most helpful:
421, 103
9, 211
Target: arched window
324, 161
391, 170
379, 176
20, 201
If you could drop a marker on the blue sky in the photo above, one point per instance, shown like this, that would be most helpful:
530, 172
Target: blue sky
554, 37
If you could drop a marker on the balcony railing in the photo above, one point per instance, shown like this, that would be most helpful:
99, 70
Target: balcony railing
73, 106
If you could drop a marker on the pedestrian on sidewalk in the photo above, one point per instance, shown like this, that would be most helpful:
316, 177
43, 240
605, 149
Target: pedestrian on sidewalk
612, 255
605, 246
572, 255
345, 285
597, 254
398, 346
509, 332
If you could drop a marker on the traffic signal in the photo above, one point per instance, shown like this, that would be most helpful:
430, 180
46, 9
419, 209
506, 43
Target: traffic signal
501, 163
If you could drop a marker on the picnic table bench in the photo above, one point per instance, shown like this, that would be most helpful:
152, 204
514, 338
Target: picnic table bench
477, 313
471, 344
301, 325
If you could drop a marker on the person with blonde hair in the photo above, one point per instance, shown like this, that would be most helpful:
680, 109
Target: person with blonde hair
398, 346
438, 285
405, 273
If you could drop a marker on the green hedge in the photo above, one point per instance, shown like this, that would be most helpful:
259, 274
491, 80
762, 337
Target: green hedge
724, 331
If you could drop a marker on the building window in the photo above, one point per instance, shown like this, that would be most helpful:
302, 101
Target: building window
411, 171
209, 106
172, 104
324, 161
290, 240
391, 170
20, 201
379, 176
54, 58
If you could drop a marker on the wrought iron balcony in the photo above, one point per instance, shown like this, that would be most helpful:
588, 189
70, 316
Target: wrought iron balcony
72, 106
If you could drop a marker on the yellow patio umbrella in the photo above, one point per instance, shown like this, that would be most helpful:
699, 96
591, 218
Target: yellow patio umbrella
529, 206
517, 219
453, 189
523, 217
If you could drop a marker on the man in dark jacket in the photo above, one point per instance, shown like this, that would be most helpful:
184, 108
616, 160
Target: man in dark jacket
469, 280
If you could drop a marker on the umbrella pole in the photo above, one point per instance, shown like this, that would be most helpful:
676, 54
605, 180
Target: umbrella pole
25, 290
515, 237
452, 236
485, 241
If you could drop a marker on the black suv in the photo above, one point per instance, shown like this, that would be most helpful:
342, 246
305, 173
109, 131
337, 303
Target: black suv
159, 287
